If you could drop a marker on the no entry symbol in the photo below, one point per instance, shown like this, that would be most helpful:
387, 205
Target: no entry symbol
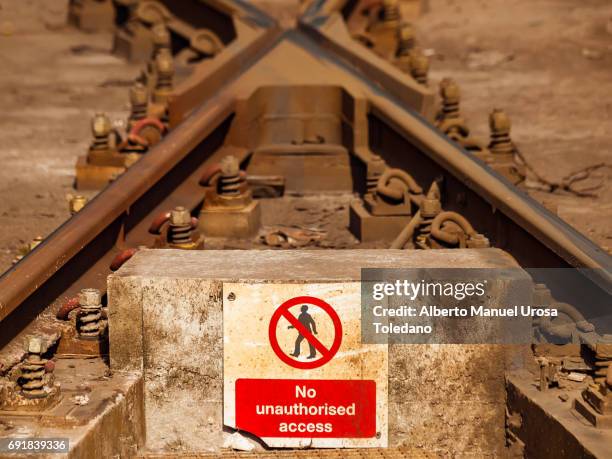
305, 331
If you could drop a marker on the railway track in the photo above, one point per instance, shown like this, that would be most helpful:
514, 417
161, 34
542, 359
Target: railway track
274, 97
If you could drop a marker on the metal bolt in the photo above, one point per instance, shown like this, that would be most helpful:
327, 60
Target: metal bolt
161, 37
431, 205
90, 297
31, 380
77, 203
139, 99
500, 125
419, 67
451, 96
101, 128
180, 216
88, 319
164, 67
180, 229
230, 165
390, 11
376, 167
35, 345
405, 39
230, 181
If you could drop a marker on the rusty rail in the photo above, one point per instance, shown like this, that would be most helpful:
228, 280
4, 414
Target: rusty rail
79, 253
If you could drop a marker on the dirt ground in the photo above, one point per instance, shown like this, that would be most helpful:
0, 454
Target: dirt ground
547, 63
53, 78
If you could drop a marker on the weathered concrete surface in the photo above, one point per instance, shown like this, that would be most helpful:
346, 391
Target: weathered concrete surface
550, 428
448, 397
165, 317
171, 328
101, 415
304, 265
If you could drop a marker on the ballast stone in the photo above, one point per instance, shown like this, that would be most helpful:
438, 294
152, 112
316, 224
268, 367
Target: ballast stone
165, 319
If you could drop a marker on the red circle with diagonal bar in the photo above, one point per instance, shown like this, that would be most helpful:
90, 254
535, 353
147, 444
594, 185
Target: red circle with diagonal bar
283, 311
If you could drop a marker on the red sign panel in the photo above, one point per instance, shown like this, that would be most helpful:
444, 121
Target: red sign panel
310, 408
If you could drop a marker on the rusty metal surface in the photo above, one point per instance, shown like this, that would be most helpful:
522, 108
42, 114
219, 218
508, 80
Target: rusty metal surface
27, 276
79, 253
331, 34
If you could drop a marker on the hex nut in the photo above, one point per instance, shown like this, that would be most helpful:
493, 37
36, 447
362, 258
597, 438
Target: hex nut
180, 216
35, 345
101, 125
139, 95
230, 166
90, 297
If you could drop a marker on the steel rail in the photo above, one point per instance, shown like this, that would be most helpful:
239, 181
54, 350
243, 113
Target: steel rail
398, 97
259, 31
330, 33
64, 243
557, 235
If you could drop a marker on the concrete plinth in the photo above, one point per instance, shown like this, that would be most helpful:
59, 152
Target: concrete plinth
166, 310
229, 222
307, 169
367, 227
549, 427
133, 42
594, 408
99, 414
92, 15
92, 177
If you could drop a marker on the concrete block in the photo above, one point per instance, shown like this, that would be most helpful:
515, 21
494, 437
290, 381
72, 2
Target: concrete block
443, 426
551, 428
133, 42
92, 177
182, 322
171, 329
231, 222
92, 15
101, 415
367, 227
125, 294
307, 168
450, 372
165, 316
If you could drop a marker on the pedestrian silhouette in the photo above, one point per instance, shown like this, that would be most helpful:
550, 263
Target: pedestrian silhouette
309, 324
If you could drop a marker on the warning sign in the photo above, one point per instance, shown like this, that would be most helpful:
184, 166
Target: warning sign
306, 328
306, 408
295, 370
